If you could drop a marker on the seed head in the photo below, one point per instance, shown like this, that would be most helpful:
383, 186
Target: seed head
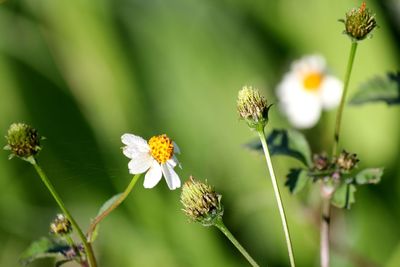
61, 225
359, 23
23, 141
201, 203
252, 107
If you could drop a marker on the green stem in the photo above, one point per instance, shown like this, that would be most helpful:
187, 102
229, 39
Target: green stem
277, 196
221, 226
325, 222
115, 204
50, 187
342, 101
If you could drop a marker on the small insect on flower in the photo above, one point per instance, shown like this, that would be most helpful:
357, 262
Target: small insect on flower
157, 157
306, 90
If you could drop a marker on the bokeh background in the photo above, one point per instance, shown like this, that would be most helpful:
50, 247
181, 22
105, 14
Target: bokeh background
84, 72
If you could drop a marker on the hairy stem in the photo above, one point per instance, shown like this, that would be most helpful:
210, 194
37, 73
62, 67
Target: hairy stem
277, 196
88, 248
221, 226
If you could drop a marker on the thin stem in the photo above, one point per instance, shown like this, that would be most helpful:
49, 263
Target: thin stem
221, 226
50, 187
325, 222
342, 101
71, 243
277, 196
114, 205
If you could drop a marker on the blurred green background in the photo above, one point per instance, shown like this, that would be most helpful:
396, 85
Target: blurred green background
84, 72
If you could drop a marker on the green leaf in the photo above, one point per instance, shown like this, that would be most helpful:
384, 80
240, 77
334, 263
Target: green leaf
288, 143
344, 196
385, 89
296, 180
93, 235
43, 248
108, 203
369, 176
62, 262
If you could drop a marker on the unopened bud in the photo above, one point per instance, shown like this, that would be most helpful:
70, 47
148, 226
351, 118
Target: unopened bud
23, 141
347, 161
252, 107
61, 225
359, 23
201, 203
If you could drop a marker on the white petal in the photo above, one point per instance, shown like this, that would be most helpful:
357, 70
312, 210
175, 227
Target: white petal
171, 177
331, 92
153, 176
140, 163
135, 141
176, 148
172, 162
305, 112
129, 151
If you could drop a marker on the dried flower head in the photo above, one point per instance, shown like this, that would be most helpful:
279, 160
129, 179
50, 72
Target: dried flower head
61, 225
201, 203
359, 23
321, 162
252, 107
347, 161
23, 141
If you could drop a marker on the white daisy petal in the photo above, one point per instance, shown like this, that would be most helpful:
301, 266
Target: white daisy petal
140, 163
305, 112
331, 92
171, 177
135, 141
153, 176
129, 151
172, 162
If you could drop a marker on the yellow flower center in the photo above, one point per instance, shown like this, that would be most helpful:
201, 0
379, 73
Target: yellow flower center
312, 81
161, 148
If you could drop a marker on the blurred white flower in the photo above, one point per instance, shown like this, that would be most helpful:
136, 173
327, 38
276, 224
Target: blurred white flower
307, 89
156, 157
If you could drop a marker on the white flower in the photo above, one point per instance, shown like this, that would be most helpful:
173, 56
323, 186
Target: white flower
307, 89
156, 157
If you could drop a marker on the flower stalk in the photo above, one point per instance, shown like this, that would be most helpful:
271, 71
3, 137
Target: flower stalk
115, 204
203, 205
221, 226
343, 99
88, 248
281, 209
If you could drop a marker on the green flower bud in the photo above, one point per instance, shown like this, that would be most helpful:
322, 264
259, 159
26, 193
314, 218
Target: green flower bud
61, 225
201, 203
252, 107
23, 141
359, 23
346, 161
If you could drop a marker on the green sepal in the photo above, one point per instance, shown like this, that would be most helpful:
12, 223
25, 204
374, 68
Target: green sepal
296, 180
379, 89
43, 248
369, 176
289, 143
344, 195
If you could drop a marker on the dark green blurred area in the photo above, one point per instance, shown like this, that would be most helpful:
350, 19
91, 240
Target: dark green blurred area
84, 72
